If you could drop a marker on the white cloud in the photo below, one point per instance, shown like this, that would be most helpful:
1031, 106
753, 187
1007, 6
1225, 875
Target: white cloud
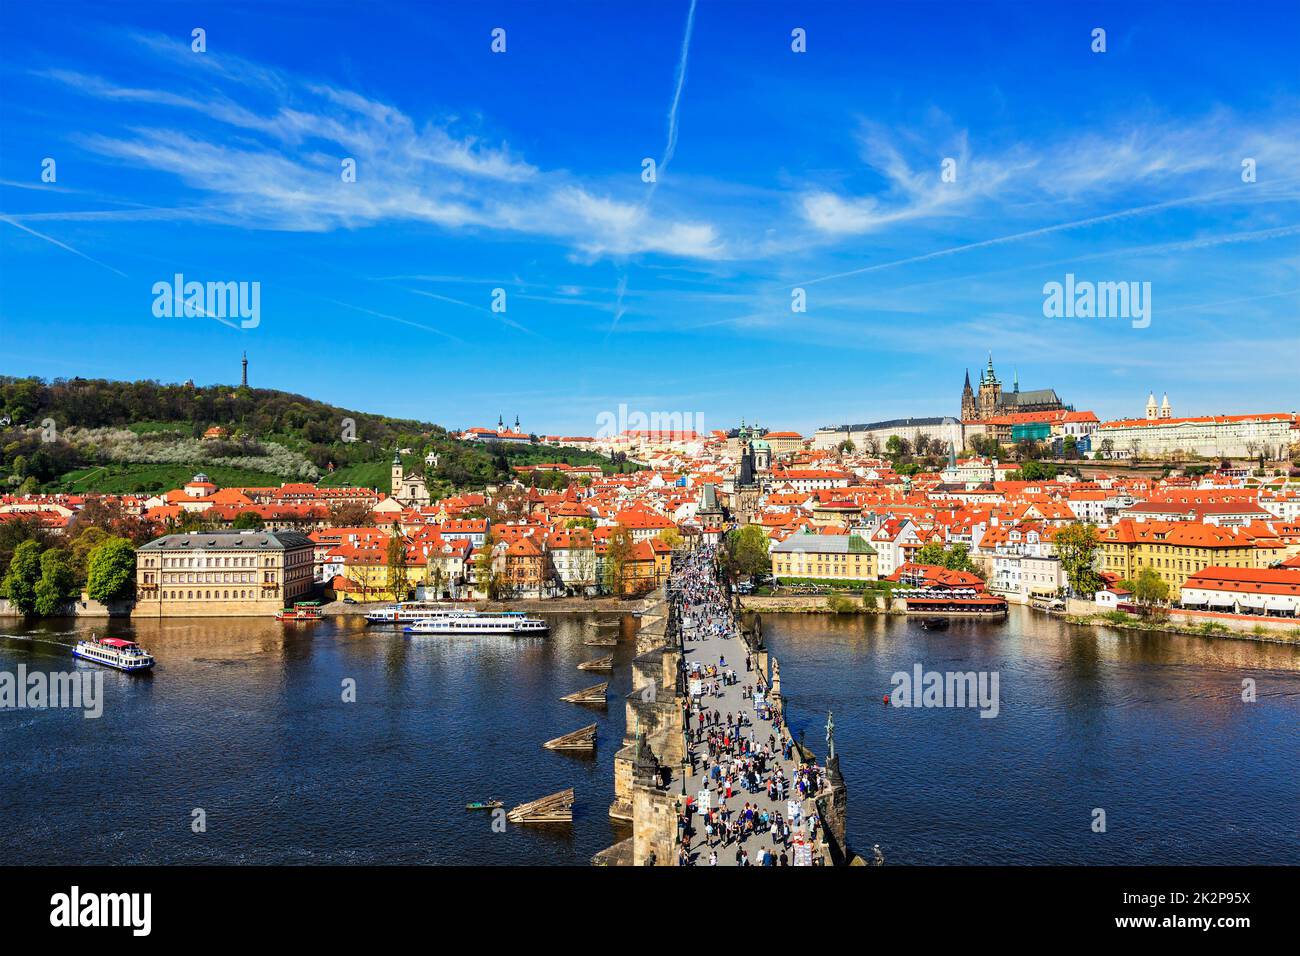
282, 169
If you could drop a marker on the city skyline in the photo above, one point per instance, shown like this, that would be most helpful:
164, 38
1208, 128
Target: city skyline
776, 171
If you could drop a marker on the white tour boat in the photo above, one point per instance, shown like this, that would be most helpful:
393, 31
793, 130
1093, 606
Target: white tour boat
409, 611
480, 622
114, 652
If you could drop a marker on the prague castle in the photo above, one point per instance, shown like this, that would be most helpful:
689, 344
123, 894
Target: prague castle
991, 401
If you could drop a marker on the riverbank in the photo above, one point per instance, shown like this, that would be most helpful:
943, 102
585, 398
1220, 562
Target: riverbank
604, 605
1267, 635
809, 604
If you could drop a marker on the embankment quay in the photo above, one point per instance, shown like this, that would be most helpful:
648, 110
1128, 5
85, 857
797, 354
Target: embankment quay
709, 773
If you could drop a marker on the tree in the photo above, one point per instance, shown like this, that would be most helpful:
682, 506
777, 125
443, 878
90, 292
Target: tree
20, 580
671, 537
618, 551
399, 578
351, 514
897, 448
111, 570
1149, 587
869, 599
80, 548
745, 552
931, 553
1076, 546
1034, 471
111, 517
846, 447
56, 582
14, 533
956, 558
249, 520
490, 580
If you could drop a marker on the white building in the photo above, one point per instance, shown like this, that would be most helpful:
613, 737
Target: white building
941, 430
1209, 436
1274, 592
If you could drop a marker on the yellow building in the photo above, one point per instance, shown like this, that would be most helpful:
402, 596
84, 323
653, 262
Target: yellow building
222, 573
1179, 549
842, 557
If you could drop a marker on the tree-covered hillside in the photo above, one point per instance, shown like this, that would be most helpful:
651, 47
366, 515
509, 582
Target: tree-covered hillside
98, 435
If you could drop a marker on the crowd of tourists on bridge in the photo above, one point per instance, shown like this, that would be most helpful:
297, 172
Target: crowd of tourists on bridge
736, 762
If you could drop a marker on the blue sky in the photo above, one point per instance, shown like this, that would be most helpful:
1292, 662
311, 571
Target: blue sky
523, 171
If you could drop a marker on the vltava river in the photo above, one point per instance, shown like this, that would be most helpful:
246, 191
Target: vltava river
245, 720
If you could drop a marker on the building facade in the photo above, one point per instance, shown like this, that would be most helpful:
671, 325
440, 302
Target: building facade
872, 437
1208, 436
839, 557
222, 573
1180, 549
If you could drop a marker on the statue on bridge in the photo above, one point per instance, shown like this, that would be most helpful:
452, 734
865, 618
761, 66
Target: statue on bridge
830, 736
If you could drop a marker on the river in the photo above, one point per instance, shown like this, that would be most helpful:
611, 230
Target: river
246, 721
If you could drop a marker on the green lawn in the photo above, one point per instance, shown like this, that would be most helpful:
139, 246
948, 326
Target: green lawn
366, 474
121, 479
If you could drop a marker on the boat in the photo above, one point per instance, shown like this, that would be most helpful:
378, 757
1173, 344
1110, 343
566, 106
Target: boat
484, 805
114, 652
301, 611
480, 622
407, 611
934, 623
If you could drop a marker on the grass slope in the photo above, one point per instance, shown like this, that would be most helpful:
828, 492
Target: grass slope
123, 479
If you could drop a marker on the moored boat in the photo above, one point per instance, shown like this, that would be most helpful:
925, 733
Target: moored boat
114, 652
409, 611
301, 611
480, 622
484, 805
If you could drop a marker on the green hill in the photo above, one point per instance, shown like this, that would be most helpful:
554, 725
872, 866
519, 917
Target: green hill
95, 435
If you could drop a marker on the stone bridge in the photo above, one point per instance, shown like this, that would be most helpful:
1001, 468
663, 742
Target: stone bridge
657, 770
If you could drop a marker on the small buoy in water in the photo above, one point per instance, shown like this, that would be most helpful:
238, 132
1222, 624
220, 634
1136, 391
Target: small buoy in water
886, 698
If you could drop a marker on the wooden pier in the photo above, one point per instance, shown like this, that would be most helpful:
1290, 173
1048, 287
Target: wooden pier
596, 694
583, 740
557, 808
599, 664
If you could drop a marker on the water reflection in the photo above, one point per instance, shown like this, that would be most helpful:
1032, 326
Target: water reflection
245, 718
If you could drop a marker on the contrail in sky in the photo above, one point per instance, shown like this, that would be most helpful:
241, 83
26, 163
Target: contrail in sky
677, 93
1032, 233
669, 149
61, 245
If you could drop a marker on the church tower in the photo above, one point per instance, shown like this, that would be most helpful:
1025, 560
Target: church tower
1165, 410
990, 398
397, 474
968, 410
1152, 410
